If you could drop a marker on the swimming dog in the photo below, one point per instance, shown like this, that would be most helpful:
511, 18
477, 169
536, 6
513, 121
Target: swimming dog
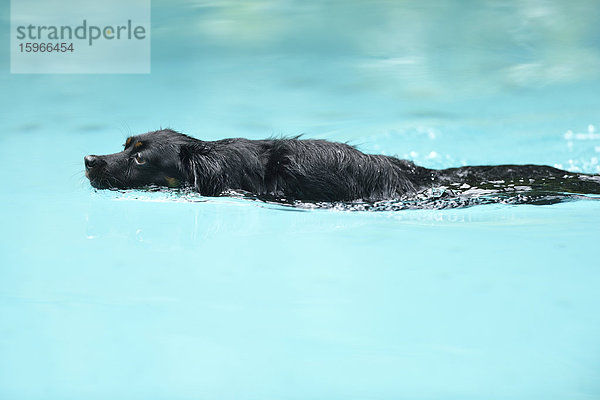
300, 169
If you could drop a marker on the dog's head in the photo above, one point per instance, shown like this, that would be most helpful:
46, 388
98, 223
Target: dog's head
152, 158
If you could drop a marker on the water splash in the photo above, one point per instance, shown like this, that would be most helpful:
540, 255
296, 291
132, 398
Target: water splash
542, 192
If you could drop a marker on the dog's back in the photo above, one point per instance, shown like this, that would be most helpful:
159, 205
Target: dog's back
315, 170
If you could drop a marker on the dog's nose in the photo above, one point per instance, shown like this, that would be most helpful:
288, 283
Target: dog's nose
90, 161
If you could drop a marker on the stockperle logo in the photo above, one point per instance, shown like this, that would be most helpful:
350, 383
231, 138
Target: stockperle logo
67, 36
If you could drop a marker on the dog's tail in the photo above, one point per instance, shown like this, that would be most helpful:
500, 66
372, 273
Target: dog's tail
536, 177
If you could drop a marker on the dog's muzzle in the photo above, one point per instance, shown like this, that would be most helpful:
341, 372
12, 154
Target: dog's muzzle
93, 164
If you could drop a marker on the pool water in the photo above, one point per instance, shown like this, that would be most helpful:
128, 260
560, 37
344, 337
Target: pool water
150, 295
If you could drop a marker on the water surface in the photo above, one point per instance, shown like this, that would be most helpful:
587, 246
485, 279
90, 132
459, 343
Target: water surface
137, 295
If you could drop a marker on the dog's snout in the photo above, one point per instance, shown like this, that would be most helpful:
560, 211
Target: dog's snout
91, 161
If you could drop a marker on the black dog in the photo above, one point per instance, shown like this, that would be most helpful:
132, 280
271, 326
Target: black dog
295, 169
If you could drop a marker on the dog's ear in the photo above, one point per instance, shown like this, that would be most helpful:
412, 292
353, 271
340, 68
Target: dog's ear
190, 152
186, 154
200, 170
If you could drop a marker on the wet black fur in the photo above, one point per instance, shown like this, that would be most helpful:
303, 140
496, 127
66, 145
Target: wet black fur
295, 169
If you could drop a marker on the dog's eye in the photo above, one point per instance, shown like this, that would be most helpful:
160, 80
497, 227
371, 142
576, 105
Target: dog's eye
138, 159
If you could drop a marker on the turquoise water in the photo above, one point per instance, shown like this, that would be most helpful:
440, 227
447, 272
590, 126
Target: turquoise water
137, 295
